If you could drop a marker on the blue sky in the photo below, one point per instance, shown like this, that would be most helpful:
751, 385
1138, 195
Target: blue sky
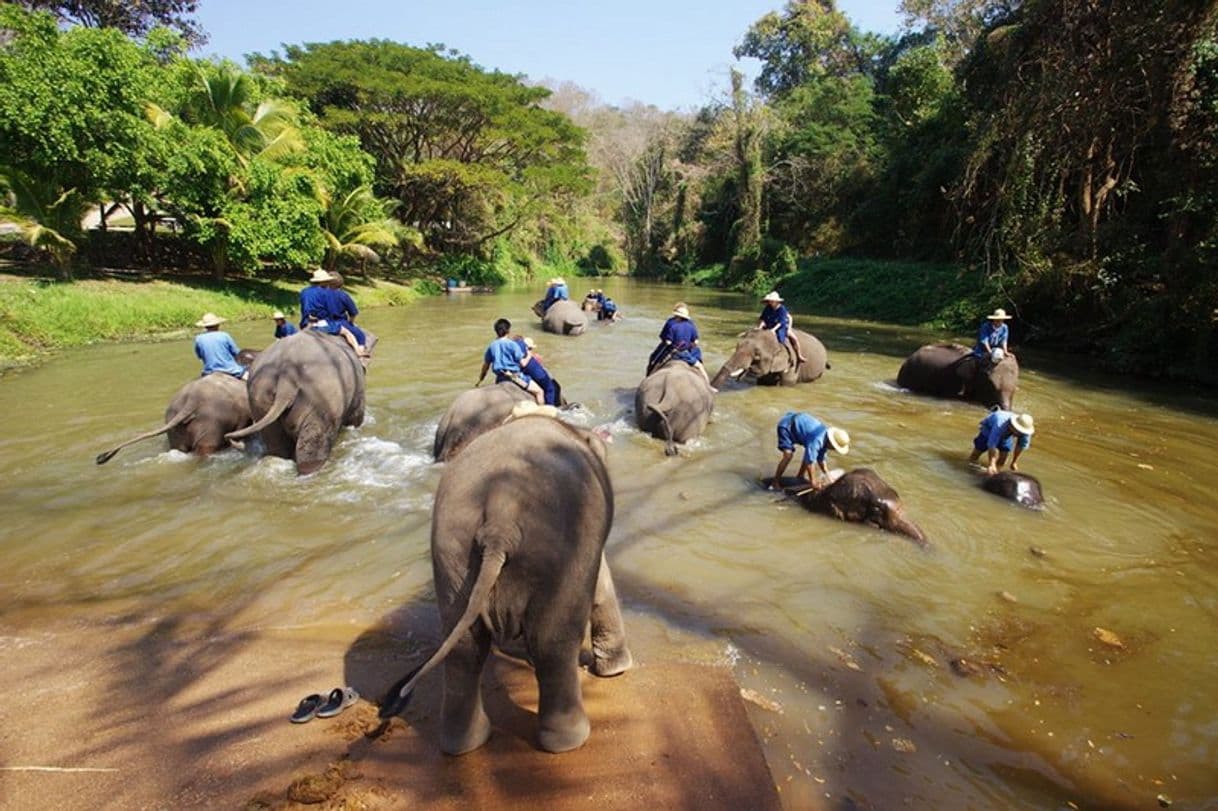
670, 53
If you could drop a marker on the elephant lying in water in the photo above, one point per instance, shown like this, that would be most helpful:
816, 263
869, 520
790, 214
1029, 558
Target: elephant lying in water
564, 317
759, 355
674, 403
860, 496
302, 390
1017, 487
517, 542
199, 415
945, 369
472, 414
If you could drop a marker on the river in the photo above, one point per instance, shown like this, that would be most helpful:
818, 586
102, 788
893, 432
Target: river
841, 635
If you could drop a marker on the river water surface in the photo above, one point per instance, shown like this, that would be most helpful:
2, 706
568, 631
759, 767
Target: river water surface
841, 636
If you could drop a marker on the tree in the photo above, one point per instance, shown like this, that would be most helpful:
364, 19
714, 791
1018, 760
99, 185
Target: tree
356, 223
47, 217
132, 17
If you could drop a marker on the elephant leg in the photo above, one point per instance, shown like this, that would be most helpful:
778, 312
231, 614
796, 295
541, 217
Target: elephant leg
313, 446
464, 725
966, 370
610, 656
562, 723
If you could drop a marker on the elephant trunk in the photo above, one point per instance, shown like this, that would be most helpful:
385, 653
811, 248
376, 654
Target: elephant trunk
898, 523
735, 366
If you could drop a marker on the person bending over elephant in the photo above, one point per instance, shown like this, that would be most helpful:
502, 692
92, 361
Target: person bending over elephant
506, 357
799, 428
217, 349
1000, 433
776, 318
679, 341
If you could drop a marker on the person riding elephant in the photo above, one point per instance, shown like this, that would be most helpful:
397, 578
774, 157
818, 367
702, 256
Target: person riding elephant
343, 312
302, 391
761, 356
674, 403
562, 318
1000, 433
200, 413
935, 369
799, 428
556, 290
506, 358
217, 349
776, 318
324, 310
679, 341
473, 413
517, 546
532, 367
990, 349
860, 496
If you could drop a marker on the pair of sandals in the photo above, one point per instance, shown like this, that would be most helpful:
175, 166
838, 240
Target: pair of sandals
318, 706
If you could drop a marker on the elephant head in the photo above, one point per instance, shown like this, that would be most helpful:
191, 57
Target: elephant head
759, 355
862, 496
1017, 487
995, 383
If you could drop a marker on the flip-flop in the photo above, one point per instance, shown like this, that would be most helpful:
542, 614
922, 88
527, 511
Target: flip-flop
340, 699
307, 708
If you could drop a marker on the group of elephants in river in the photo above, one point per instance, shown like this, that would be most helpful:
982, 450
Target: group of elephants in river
519, 566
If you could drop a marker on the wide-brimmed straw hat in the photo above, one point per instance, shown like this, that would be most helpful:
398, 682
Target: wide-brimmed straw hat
681, 310
839, 440
210, 320
320, 275
278, 315
772, 296
559, 280
529, 342
998, 315
1023, 424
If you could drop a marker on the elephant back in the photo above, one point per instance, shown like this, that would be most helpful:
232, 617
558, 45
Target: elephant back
473, 413
674, 403
932, 369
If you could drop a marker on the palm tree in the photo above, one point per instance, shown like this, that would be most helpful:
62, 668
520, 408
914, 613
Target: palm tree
357, 223
46, 215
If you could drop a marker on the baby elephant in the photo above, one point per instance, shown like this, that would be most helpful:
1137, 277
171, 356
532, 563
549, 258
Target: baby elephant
1017, 487
861, 496
517, 538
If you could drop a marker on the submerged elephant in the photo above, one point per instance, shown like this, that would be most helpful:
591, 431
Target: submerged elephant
860, 496
302, 390
564, 317
1017, 487
945, 370
199, 415
674, 403
517, 542
758, 355
472, 414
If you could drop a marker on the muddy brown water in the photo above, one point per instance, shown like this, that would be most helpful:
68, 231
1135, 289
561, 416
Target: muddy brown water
841, 636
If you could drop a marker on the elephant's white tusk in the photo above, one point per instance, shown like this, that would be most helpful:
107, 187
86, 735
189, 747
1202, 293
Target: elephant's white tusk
736, 373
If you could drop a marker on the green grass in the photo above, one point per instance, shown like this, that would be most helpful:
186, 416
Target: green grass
38, 316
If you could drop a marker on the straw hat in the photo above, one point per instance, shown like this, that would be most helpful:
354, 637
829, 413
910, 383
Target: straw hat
772, 296
839, 440
1023, 424
320, 275
998, 315
681, 310
278, 315
559, 280
530, 343
210, 320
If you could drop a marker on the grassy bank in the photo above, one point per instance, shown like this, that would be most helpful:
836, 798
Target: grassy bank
38, 315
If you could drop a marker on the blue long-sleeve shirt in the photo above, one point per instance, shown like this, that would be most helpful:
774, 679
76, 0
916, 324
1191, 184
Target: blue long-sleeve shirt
798, 428
990, 337
218, 352
316, 301
994, 431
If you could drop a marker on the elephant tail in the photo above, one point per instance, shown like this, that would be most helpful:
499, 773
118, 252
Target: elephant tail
399, 695
670, 448
185, 415
283, 401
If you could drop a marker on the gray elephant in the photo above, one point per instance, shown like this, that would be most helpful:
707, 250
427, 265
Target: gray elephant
760, 356
517, 541
472, 414
951, 370
564, 317
302, 390
199, 415
1018, 487
674, 403
860, 496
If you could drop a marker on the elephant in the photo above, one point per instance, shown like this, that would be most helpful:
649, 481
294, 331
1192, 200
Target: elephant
674, 403
517, 541
564, 317
860, 496
759, 355
472, 414
1017, 487
199, 415
945, 370
302, 390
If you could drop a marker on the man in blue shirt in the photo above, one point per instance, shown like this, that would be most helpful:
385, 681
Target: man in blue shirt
315, 300
556, 290
1000, 433
798, 428
679, 341
217, 349
282, 328
343, 312
992, 335
505, 356
776, 318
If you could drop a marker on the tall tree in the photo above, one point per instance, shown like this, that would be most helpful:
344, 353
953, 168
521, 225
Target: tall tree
133, 17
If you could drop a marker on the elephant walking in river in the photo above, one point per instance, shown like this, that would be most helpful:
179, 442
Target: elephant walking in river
564, 317
674, 403
760, 356
517, 540
860, 496
302, 390
947, 370
199, 415
472, 414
